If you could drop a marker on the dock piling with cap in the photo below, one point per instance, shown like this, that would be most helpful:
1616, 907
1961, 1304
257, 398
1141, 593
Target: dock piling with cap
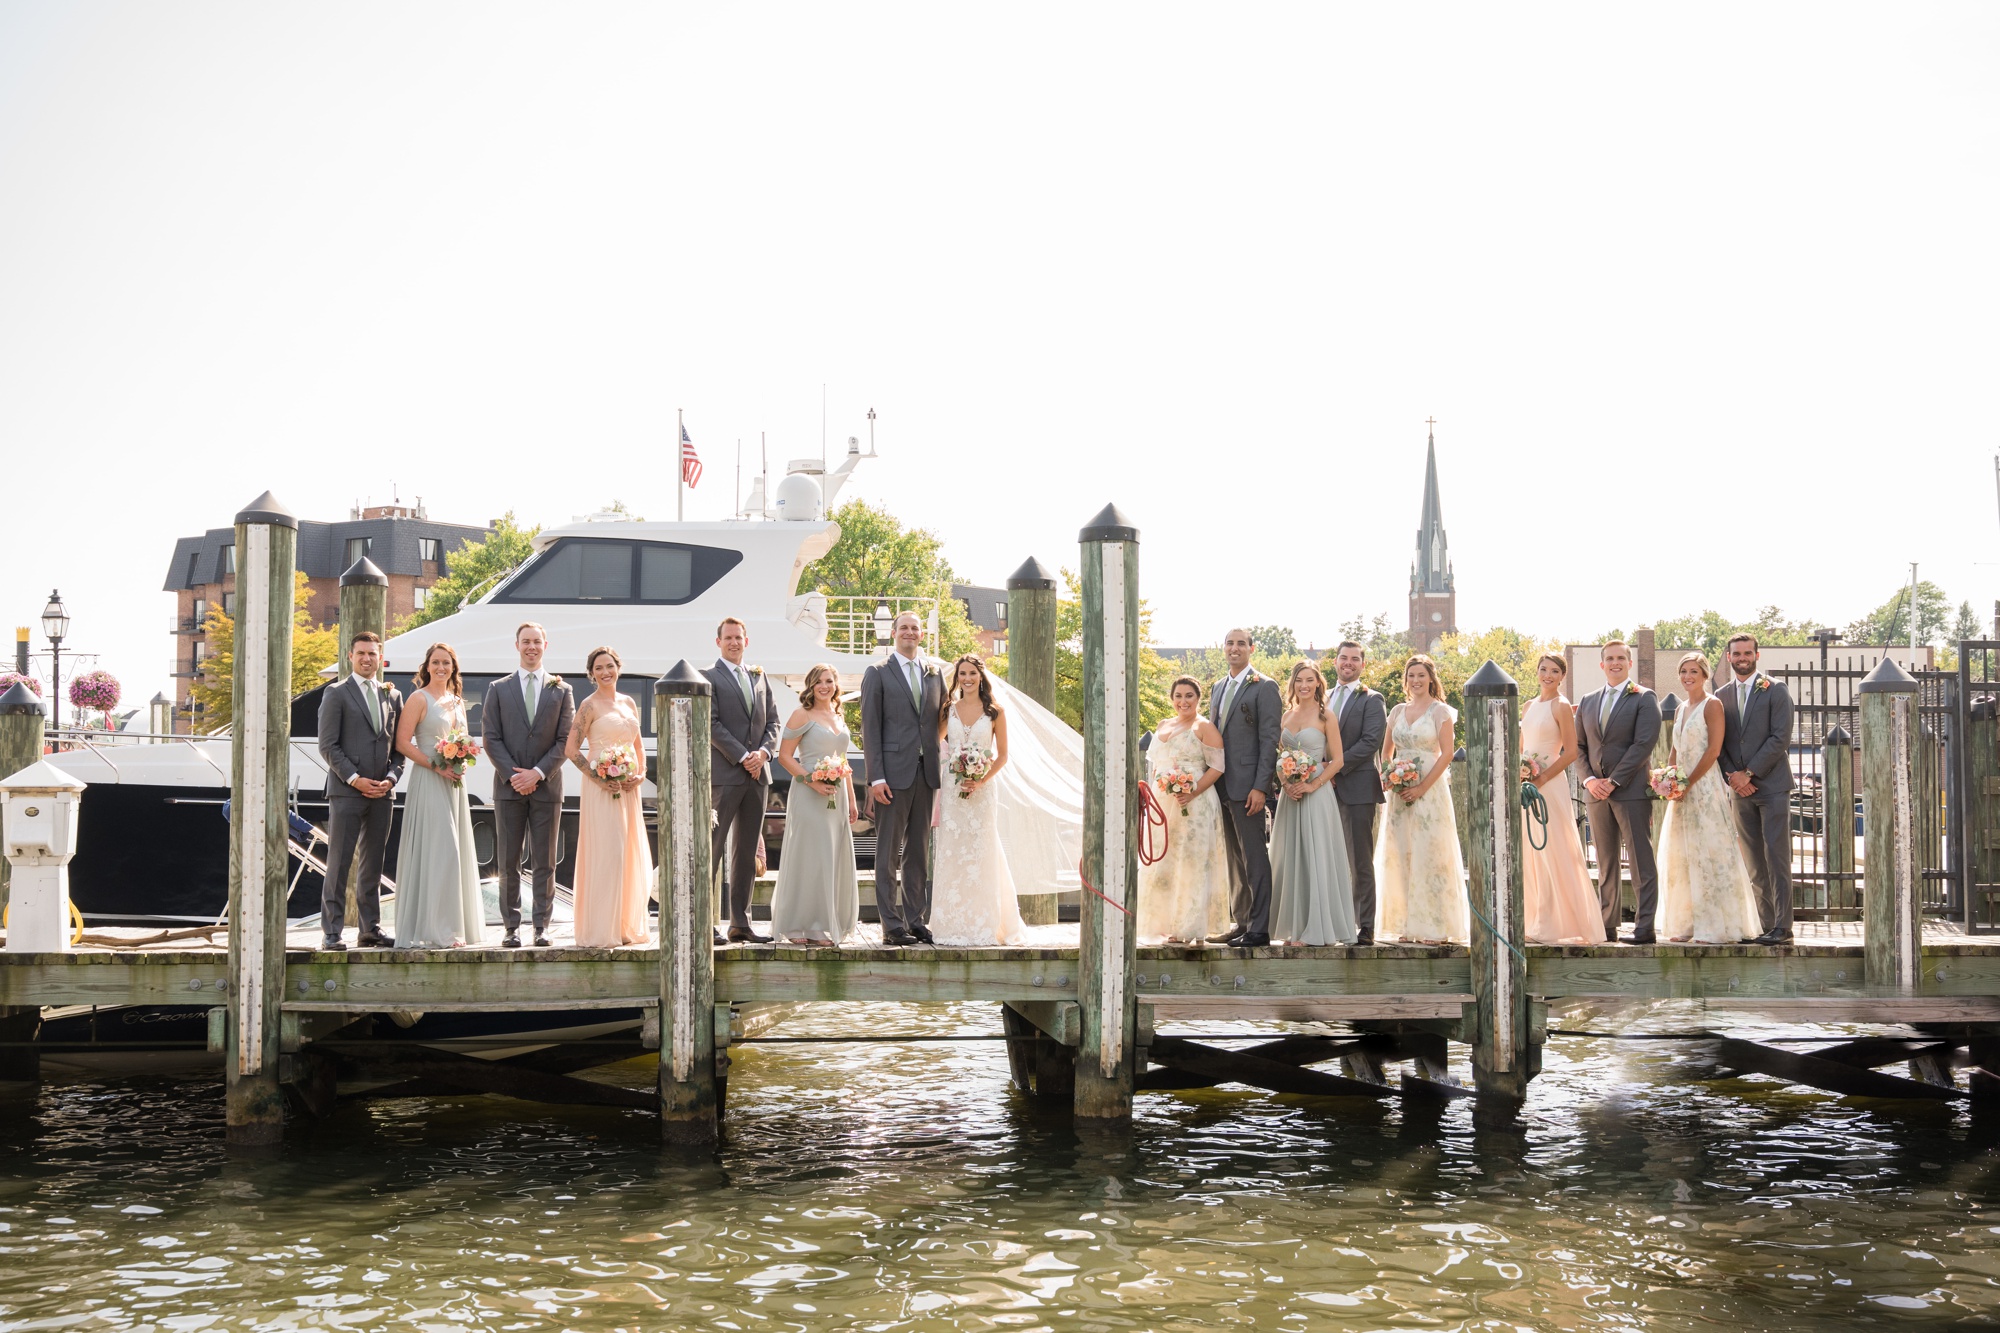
1891, 900
20, 746
1503, 1058
1031, 669
689, 1099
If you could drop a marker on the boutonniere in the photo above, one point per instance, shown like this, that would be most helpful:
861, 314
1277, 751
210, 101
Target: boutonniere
553, 681
1763, 683
1630, 687
755, 670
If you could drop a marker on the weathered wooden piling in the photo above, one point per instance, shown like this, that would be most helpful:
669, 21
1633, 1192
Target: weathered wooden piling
1031, 669
689, 1113
364, 605
260, 769
1663, 746
20, 746
1891, 904
1837, 812
1109, 932
1502, 1061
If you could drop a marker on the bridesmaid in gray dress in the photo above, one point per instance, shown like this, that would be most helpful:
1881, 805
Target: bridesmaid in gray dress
1312, 882
438, 904
816, 899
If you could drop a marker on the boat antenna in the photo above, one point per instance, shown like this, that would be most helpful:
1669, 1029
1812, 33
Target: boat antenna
825, 501
739, 476
764, 471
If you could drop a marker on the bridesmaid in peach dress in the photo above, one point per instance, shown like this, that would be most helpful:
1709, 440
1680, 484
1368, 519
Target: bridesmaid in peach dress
1560, 899
614, 868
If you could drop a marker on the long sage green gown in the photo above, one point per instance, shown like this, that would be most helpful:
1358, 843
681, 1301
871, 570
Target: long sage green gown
816, 896
437, 869
1312, 882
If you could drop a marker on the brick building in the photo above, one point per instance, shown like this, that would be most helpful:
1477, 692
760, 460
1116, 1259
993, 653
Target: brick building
408, 546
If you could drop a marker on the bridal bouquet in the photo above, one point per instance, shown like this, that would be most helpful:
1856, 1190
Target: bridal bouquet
1176, 783
1669, 783
1296, 766
457, 751
969, 766
615, 764
831, 769
1401, 773
1533, 766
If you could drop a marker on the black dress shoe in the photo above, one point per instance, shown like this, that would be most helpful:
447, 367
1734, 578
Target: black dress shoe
1774, 937
541, 940
512, 941
333, 944
1643, 939
1253, 941
376, 940
1233, 937
719, 941
744, 935
899, 938
1365, 939
922, 934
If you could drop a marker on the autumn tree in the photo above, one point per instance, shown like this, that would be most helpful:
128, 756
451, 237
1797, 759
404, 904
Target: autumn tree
474, 568
314, 648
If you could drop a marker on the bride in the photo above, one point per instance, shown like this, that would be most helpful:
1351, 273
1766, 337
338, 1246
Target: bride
972, 892
1418, 867
1705, 893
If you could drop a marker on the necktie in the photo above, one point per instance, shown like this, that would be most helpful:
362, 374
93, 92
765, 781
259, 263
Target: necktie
1604, 709
1229, 699
743, 684
916, 685
532, 691
1743, 699
374, 705
1339, 701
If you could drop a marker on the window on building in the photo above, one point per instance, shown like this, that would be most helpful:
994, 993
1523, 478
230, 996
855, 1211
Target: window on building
200, 651
229, 604
200, 614
194, 569
1000, 614
358, 547
999, 645
419, 597
429, 548
590, 569
229, 558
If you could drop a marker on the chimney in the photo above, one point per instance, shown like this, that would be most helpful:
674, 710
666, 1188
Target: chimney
1643, 654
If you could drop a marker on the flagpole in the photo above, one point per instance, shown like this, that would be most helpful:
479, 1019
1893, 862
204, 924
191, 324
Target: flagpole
680, 467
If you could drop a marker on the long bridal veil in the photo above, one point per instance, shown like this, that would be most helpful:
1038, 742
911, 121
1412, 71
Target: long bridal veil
1041, 795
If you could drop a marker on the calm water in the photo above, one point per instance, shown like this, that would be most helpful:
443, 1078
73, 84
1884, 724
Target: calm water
905, 1187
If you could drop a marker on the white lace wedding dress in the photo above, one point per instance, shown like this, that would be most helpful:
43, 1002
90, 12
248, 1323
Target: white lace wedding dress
1185, 894
1705, 894
972, 892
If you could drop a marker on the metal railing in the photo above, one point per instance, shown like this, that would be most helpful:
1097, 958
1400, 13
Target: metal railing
864, 625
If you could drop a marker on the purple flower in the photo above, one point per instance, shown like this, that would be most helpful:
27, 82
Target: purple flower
8, 679
94, 689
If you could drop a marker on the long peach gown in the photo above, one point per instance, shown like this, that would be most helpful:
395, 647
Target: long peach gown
614, 867
1561, 901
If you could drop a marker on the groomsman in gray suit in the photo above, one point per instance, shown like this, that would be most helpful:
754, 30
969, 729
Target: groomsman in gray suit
357, 738
525, 725
1364, 719
743, 729
1245, 707
1756, 762
1615, 730
901, 701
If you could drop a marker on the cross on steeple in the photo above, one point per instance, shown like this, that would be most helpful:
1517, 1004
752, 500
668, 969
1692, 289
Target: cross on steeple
1432, 422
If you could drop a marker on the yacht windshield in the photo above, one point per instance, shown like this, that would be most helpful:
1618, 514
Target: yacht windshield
591, 569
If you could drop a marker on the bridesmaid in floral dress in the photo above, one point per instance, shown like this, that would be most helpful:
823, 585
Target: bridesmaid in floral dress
1418, 867
614, 868
1184, 896
1560, 900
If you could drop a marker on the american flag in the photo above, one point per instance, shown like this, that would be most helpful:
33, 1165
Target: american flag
690, 461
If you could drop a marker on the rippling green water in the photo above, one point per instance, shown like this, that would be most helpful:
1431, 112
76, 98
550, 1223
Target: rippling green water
905, 1187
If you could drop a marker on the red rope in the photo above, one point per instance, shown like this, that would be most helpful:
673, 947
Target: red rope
1152, 819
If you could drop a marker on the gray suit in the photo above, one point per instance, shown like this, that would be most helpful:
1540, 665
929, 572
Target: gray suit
734, 730
1620, 749
1364, 718
1249, 763
357, 826
1759, 742
514, 741
899, 736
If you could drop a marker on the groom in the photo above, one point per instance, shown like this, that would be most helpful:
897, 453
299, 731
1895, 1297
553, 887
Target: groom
357, 738
1756, 762
1615, 730
1245, 708
1357, 787
743, 728
525, 725
901, 701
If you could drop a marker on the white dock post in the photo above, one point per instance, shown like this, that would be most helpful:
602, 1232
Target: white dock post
260, 768
688, 1107
1891, 900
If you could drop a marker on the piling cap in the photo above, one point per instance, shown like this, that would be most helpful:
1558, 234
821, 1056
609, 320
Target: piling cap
1838, 736
1888, 678
1110, 525
363, 570
266, 509
1670, 703
1032, 574
20, 700
42, 776
683, 679
1458, 755
1491, 682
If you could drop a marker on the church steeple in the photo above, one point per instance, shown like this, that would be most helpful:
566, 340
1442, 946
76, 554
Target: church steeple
1433, 591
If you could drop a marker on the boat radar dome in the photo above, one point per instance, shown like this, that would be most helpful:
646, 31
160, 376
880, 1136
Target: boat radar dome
798, 499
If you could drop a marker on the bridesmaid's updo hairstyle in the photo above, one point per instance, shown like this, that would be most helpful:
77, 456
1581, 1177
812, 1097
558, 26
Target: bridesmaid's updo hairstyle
1706, 669
986, 703
1555, 660
1188, 681
590, 662
811, 686
1430, 672
1319, 686
423, 677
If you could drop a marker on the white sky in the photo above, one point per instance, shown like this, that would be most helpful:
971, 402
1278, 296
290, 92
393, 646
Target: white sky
1703, 298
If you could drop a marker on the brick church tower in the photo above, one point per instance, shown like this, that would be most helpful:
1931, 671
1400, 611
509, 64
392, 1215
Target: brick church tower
1433, 595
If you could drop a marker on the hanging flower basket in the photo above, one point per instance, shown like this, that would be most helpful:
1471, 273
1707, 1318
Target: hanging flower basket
94, 689
8, 679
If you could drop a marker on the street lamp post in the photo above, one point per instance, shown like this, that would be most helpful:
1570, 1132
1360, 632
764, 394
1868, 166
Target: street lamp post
55, 624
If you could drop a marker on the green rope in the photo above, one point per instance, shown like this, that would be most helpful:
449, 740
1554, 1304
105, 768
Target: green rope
1494, 930
1537, 807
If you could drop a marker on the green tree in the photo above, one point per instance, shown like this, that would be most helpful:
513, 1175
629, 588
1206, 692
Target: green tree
314, 648
876, 556
1372, 633
1889, 623
1277, 640
1967, 625
474, 568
